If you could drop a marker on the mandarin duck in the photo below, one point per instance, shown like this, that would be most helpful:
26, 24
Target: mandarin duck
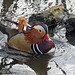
35, 39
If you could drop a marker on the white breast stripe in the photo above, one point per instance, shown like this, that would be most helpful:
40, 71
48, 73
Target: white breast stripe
38, 49
34, 49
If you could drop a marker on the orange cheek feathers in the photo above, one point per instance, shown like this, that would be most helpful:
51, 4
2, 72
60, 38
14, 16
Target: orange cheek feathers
33, 36
22, 22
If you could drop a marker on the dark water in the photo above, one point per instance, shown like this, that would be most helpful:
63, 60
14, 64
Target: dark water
18, 63
14, 62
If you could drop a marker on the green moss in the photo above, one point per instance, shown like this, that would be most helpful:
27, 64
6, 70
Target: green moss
72, 16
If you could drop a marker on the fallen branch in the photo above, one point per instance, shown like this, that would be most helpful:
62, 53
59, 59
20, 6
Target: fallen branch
10, 21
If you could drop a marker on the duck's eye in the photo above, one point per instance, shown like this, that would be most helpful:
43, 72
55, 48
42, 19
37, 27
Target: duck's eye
40, 30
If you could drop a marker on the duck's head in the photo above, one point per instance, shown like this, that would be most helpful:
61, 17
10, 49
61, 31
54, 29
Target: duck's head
37, 33
42, 29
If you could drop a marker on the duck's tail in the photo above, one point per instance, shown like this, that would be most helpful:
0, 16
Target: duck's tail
3, 28
7, 30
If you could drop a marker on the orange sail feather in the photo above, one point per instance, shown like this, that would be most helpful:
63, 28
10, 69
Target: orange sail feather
22, 22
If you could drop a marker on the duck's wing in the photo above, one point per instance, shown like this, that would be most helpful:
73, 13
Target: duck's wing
7, 30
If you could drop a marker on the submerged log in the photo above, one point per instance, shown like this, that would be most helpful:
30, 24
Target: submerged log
51, 17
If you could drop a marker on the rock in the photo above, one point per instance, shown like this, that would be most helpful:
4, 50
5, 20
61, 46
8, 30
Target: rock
56, 13
53, 16
70, 24
71, 37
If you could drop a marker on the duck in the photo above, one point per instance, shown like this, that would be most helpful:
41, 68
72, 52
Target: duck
32, 39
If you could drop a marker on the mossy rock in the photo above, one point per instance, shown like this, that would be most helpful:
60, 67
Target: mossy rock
54, 11
51, 17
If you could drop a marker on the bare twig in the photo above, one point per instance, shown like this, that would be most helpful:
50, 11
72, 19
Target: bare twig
10, 21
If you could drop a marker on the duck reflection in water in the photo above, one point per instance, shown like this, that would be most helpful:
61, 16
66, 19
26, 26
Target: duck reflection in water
38, 63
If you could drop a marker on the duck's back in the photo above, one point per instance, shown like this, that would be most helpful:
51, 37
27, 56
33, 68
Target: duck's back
20, 43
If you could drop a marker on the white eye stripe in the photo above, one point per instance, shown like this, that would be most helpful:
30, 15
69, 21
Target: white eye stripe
39, 28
